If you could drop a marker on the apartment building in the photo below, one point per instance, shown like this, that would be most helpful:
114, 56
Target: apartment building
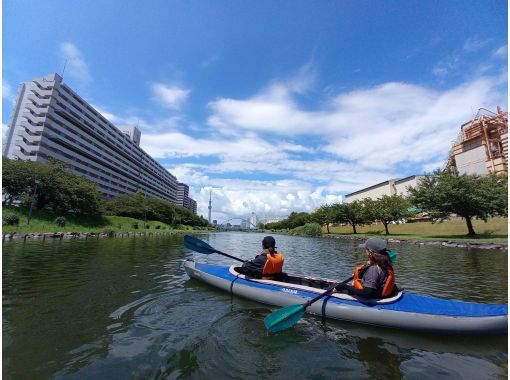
51, 121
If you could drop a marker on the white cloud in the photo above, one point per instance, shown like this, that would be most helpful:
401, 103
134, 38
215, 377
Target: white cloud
75, 65
5, 129
7, 91
502, 52
475, 44
170, 96
377, 127
233, 198
447, 65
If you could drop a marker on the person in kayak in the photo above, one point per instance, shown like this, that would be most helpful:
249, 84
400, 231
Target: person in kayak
266, 265
375, 278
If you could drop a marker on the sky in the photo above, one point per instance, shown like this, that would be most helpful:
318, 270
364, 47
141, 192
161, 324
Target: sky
271, 106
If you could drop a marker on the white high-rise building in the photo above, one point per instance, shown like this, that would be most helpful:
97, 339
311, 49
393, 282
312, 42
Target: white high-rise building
252, 221
51, 121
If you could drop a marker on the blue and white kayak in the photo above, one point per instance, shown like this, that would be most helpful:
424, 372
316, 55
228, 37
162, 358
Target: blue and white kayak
403, 311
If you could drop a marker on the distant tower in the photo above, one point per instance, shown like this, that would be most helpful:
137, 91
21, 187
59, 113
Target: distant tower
210, 207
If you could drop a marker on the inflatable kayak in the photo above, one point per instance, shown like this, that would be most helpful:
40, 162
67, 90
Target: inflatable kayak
403, 311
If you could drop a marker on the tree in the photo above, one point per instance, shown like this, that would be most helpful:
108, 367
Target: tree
295, 219
352, 213
387, 209
323, 216
465, 195
57, 190
18, 178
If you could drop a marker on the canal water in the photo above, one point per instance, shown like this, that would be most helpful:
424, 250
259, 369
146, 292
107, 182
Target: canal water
125, 309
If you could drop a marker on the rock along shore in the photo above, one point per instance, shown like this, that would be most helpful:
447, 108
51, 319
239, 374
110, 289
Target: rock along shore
437, 243
83, 235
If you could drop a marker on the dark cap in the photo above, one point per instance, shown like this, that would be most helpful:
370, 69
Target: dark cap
269, 242
375, 244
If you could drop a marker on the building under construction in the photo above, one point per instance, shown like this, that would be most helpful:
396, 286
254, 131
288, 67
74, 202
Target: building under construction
482, 145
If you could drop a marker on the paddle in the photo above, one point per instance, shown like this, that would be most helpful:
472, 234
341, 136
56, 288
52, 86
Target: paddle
201, 246
288, 316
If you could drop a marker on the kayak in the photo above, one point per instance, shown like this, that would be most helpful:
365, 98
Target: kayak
405, 310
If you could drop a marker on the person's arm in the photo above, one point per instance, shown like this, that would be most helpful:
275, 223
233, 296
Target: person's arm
256, 265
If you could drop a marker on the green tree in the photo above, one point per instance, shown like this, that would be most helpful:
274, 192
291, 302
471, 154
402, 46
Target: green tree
465, 195
57, 190
297, 219
386, 209
352, 213
18, 178
123, 205
323, 216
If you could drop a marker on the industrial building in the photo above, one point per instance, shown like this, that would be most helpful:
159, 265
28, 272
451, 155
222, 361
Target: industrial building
51, 121
390, 187
482, 145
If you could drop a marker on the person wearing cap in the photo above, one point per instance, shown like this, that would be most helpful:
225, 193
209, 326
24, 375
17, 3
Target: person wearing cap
266, 265
375, 278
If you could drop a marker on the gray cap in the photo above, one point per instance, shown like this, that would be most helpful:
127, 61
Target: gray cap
375, 244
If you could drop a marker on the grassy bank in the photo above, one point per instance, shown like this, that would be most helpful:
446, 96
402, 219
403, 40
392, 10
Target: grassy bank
494, 231
44, 222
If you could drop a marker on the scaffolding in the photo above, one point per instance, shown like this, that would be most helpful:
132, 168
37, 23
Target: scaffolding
482, 144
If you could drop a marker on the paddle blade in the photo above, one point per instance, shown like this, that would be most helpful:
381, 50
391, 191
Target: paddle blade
284, 318
197, 245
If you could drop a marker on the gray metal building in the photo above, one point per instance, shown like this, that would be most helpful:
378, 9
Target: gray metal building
390, 187
51, 121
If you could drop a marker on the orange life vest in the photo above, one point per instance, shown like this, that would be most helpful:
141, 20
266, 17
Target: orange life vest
273, 265
389, 285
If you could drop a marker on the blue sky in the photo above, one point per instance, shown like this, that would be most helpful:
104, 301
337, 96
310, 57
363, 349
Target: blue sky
274, 106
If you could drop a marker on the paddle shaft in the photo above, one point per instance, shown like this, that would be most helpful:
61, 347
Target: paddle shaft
232, 257
330, 289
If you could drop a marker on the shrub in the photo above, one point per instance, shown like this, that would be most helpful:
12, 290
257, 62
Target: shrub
147, 226
309, 229
157, 227
182, 227
11, 220
135, 225
60, 221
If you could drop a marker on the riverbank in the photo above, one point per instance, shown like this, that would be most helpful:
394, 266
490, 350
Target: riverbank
43, 223
88, 235
441, 243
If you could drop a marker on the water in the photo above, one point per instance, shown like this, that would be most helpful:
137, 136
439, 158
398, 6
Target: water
124, 308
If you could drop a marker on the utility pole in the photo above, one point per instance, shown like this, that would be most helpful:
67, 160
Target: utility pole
210, 207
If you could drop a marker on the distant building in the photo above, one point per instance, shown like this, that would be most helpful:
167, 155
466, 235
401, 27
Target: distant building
482, 145
51, 121
274, 219
183, 198
252, 221
390, 187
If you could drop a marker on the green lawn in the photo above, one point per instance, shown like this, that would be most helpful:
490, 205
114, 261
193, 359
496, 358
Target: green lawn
44, 222
494, 231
